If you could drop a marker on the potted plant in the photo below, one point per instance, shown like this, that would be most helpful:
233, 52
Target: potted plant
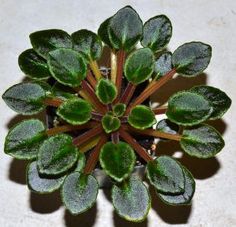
101, 120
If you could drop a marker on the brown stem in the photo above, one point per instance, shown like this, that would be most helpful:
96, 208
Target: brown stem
115, 137
91, 79
128, 93
53, 102
96, 116
95, 68
93, 158
160, 110
138, 148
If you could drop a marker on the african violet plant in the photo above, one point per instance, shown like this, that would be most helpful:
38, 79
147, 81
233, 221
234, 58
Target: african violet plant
107, 117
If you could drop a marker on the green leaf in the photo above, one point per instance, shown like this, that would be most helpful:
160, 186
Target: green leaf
166, 175
218, 99
192, 58
56, 155
117, 160
75, 111
103, 32
47, 40
202, 141
24, 139
167, 126
125, 29
131, 199
141, 117
157, 32
63, 92
119, 109
81, 162
139, 65
25, 98
79, 192
33, 65
184, 198
42, 184
67, 66
110, 123
87, 43
188, 108
106, 91
163, 64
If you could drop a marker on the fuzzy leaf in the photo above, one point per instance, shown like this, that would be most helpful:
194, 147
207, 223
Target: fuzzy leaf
218, 99
75, 111
192, 58
184, 198
33, 65
188, 108
163, 64
47, 40
125, 29
81, 162
62, 92
25, 98
119, 109
201, 141
24, 139
166, 175
117, 160
42, 184
79, 192
106, 91
136, 69
110, 123
103, 32
87, 43
131, 199
157, 32
141, 117
56, 155
167, 126
67, 66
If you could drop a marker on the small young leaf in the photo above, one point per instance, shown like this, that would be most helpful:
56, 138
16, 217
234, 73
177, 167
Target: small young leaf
157, 32
75, 111
25, 98
24, 139
42, 184
163, 64
131, 199
217, 99
79, 192
167, 126
81, 162
56, 155
188, 108
201, 141
141, 117
117, 160
106, 91
67, 66
125, 29
119, 109
103, 32
110, 123
139, 65
87, 43
47, 40
33, 65
192, 58
166, 175
184, 198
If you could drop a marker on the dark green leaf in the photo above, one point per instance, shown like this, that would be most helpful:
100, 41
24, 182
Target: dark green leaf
62, 92
184, 198
24, 139
47, 40
103, 32
125, 29
192, 58
79, 192
42, 184
201, 141
25, 98
131, 199
117, 160
163, 64
167, 126
33, 65
217, 99
110, 123
166, 175
75, 111
87, 43
119, 109
139, 65
81, 162
188, 108
157, 32
141, 117
106, 91
67, 66
56, 155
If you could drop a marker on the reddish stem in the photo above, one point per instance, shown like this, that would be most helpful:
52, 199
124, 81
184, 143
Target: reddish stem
160, 110
53, 102
96, 116
91, 79
115, 137
128, 93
